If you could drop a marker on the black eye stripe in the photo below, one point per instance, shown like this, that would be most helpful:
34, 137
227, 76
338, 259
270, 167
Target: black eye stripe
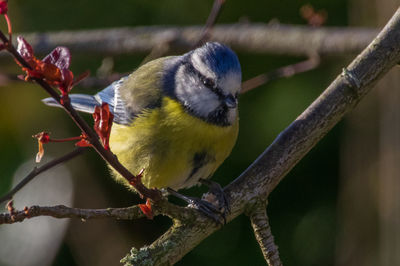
209, 83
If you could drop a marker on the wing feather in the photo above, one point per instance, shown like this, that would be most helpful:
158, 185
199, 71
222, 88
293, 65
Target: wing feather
130, 95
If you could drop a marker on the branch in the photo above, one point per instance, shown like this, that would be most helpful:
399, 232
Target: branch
283, 72
89, 82
178, 214
107, 155
262, 231
38, 170
252, 38
167, 46
61, 211
257, 182
212, 18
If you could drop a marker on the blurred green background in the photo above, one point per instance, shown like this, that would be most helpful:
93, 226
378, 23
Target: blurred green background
302, 210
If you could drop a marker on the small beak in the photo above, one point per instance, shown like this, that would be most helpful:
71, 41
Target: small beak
230, 101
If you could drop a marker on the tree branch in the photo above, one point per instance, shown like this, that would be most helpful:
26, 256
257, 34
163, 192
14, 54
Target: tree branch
289, 147
107, 155
283, 72
38, 170
262, 231
212, 18
61, 211
179, 215
253, 38
165, 47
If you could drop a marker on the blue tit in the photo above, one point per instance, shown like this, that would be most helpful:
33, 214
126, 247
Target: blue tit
175, 117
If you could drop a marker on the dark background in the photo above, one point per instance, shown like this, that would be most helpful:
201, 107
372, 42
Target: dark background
303, 209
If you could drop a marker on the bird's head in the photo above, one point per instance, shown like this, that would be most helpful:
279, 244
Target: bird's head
208, 81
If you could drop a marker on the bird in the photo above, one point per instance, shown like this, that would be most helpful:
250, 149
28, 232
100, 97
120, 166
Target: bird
175, 118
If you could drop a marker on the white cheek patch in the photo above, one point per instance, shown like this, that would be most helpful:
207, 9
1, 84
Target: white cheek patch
195, 95
204, 103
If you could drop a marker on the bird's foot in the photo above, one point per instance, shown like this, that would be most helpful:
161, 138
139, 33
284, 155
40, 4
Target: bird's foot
202, 205
216, 196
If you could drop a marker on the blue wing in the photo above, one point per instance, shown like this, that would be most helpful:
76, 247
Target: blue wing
111, 95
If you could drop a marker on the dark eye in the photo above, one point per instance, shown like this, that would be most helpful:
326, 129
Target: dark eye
209, 83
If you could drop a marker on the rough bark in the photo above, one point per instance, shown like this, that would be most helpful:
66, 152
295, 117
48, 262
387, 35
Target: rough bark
290, 146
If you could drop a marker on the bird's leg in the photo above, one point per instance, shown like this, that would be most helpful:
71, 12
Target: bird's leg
216, 195
201, 205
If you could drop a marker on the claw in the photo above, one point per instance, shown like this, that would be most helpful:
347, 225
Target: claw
208, 209
203, 206
214, 204
216, 195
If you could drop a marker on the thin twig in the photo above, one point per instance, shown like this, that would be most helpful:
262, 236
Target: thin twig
61, 211
262, 231
107, 155
211, 20
38, 170
164, 207
163, 48
89, 82
283, 72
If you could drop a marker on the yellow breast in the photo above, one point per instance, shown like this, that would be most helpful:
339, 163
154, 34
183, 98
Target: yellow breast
174, 148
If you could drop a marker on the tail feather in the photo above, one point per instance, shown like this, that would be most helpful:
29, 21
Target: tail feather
110, 95
81, 102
